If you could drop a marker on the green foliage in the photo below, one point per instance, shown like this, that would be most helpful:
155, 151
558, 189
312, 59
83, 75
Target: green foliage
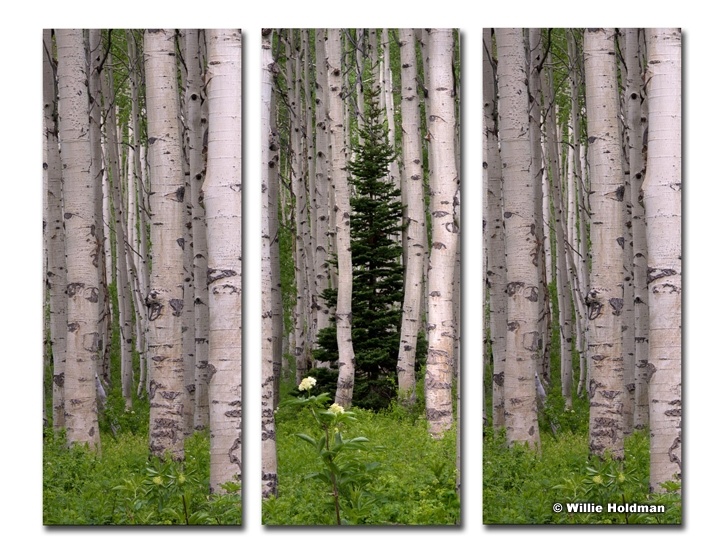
345, 471
521, 486
122, 487
414, 483
375, 225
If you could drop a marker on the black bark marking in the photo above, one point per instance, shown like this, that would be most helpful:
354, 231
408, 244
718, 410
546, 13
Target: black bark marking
654, 273
651, 369
73, 288
211, 370
617, 304
181, 243
620, 193
177, 306
215, 274
72, 327
154, 306
677, 412
439, 245
499, 378
621, 242
513, 325
513, 287
591, 139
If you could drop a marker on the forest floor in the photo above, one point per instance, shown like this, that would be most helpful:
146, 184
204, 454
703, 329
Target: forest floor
411, 477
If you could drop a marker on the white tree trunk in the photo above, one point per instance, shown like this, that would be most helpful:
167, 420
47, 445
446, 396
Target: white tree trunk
165, 297
223, 204
81, 245
605, 295
269, 161
663, 203
195, 129
633, 103
520, 242
416, 232
55, 235
444, 190
343, 311
494, 236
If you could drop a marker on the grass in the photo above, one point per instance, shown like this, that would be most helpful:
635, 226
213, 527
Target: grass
414, 483
121, 487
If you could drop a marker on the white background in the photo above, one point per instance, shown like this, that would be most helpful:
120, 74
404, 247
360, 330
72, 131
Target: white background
21, 275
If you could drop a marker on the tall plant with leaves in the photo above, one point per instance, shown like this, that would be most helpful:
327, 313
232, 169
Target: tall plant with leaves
377, 270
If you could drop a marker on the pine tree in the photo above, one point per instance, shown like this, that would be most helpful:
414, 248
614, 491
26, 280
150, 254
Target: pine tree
377, 271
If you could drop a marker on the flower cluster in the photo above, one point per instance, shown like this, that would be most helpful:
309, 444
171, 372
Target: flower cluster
337, 409
307, 383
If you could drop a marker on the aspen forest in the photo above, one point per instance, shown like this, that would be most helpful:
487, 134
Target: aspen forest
582, 253
360, 179
143, 277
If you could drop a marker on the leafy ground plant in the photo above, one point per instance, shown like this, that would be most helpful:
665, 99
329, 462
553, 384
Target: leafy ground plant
344, 472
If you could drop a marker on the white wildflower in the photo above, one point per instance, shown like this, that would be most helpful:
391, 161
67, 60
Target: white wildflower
307, 383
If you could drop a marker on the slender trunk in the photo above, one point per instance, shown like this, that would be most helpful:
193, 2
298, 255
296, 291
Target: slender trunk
81, 245
605, 295
223, 203
444, 190
343, 311
663, 203
521, 247
416, 232
165, 298
269, 162
55, 236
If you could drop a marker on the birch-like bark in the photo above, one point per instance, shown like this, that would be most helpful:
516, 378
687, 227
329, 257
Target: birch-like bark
444, 190
520, 242
635, 130
165, 297
416, 233
223, 204
195, 130
561, 253
269, 162
81, 245
322, 178
55, 277
343, 311
663, 204
494, 234
123, 286
605, 295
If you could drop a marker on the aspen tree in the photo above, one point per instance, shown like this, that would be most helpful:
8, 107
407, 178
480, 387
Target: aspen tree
605, 295
521, 246
663, 204
635, 131
444, 189
194, 129
223, 204
343, 311
494, 234
165, 297
55, 277
269, 162
412, 184
81, 245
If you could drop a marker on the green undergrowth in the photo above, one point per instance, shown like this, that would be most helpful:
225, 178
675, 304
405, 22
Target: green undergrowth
413, 482
522, 487
123, 487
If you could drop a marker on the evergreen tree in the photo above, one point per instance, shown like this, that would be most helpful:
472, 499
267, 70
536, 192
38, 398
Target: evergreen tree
376, 224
